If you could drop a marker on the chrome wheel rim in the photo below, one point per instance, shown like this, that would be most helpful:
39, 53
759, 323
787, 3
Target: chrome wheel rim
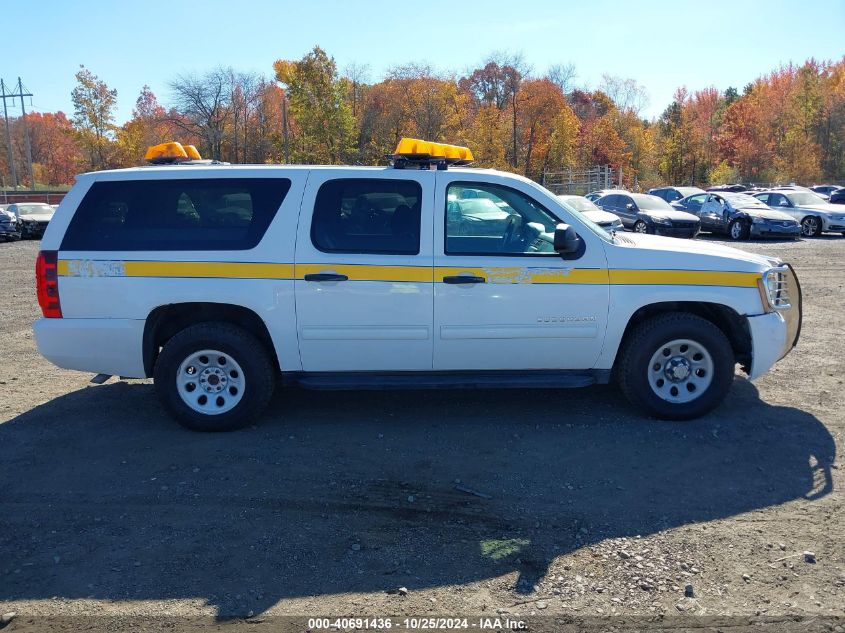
736, 230
640, 227
809, 226
210, 382
680, 371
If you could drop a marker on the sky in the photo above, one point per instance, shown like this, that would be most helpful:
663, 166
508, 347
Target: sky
662, 45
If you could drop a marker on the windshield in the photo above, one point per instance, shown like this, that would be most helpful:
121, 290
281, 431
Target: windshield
688, 191
801, 197
595, 228
35, 209
651, 203
579, 203
744, 201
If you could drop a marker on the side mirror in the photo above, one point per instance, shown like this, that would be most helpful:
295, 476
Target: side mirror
630, 206
566, 240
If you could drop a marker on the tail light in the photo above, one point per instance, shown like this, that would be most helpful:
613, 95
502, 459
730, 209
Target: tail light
47, 284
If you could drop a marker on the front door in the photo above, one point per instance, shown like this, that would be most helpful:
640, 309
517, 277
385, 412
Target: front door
364, 272
712, 214
502, 298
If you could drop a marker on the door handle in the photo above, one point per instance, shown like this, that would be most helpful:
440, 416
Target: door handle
325, 277
464, 279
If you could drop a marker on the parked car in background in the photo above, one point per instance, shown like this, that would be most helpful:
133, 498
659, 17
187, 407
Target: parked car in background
670, 194
32, 218
838, 197
824, 191
815, 215
741, 217
595, 195
8, 225
691, 204
605, 220
736, 188
643, 213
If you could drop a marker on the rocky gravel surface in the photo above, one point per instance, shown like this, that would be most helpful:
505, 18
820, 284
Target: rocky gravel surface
562, 506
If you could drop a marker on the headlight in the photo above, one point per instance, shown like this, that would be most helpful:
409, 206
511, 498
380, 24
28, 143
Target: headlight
663, 221
774, 289
756, 220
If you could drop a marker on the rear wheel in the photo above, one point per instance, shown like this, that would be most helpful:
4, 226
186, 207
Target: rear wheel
641, 227
811, 226
214, 377
676, 366
739, 230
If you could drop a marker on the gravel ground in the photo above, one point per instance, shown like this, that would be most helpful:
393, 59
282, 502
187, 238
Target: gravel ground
509, 504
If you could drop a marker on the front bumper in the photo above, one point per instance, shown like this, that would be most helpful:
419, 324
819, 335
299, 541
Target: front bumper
774, 334
9, 232
775, 230
672, 231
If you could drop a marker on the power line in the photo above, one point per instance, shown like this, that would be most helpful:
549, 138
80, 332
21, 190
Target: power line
13, 95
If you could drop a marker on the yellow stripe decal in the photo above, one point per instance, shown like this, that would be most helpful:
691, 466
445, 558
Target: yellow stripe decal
683, 278
418, 274
365, 272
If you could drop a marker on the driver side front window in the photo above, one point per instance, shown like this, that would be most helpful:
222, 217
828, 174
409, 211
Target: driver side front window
488, 219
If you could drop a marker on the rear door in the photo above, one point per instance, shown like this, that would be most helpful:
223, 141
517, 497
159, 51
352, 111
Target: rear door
364, 271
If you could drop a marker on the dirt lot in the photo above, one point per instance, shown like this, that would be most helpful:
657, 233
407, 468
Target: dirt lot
336, 500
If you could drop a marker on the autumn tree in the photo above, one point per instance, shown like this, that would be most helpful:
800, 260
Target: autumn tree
548, 128
498, 83
56, 152
325, 127
203, 103
93, 105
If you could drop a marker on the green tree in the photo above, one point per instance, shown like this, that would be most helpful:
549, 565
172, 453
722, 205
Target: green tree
324, 130
93, 107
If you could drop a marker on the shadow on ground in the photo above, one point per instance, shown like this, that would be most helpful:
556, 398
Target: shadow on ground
102, 496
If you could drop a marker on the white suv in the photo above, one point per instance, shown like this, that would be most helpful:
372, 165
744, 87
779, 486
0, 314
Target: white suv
216, 280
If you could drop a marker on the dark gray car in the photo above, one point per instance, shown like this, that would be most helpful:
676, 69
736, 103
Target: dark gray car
643, 213
742, 216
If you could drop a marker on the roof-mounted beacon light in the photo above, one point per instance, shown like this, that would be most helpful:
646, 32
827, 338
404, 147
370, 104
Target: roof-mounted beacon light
412, 153
170, 153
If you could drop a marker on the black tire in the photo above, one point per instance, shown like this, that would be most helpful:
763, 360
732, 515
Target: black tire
811, 226
244, 349
642, 227
647, 338
738, 230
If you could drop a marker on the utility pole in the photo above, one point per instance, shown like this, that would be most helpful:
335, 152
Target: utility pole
26, 134
8, 137
11, 95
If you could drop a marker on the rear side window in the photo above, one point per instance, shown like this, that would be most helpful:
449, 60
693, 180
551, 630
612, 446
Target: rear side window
174, 215
354, 215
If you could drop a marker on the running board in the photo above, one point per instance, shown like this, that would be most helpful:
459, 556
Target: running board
446, 380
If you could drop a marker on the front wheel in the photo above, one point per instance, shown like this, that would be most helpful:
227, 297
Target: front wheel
676, 366
738, 230
811, 226
641, 227
214, 377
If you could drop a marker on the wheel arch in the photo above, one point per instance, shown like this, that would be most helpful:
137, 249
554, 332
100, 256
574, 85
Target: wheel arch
165, 321
732, 324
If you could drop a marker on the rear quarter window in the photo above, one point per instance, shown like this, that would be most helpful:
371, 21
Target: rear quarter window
171, 215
